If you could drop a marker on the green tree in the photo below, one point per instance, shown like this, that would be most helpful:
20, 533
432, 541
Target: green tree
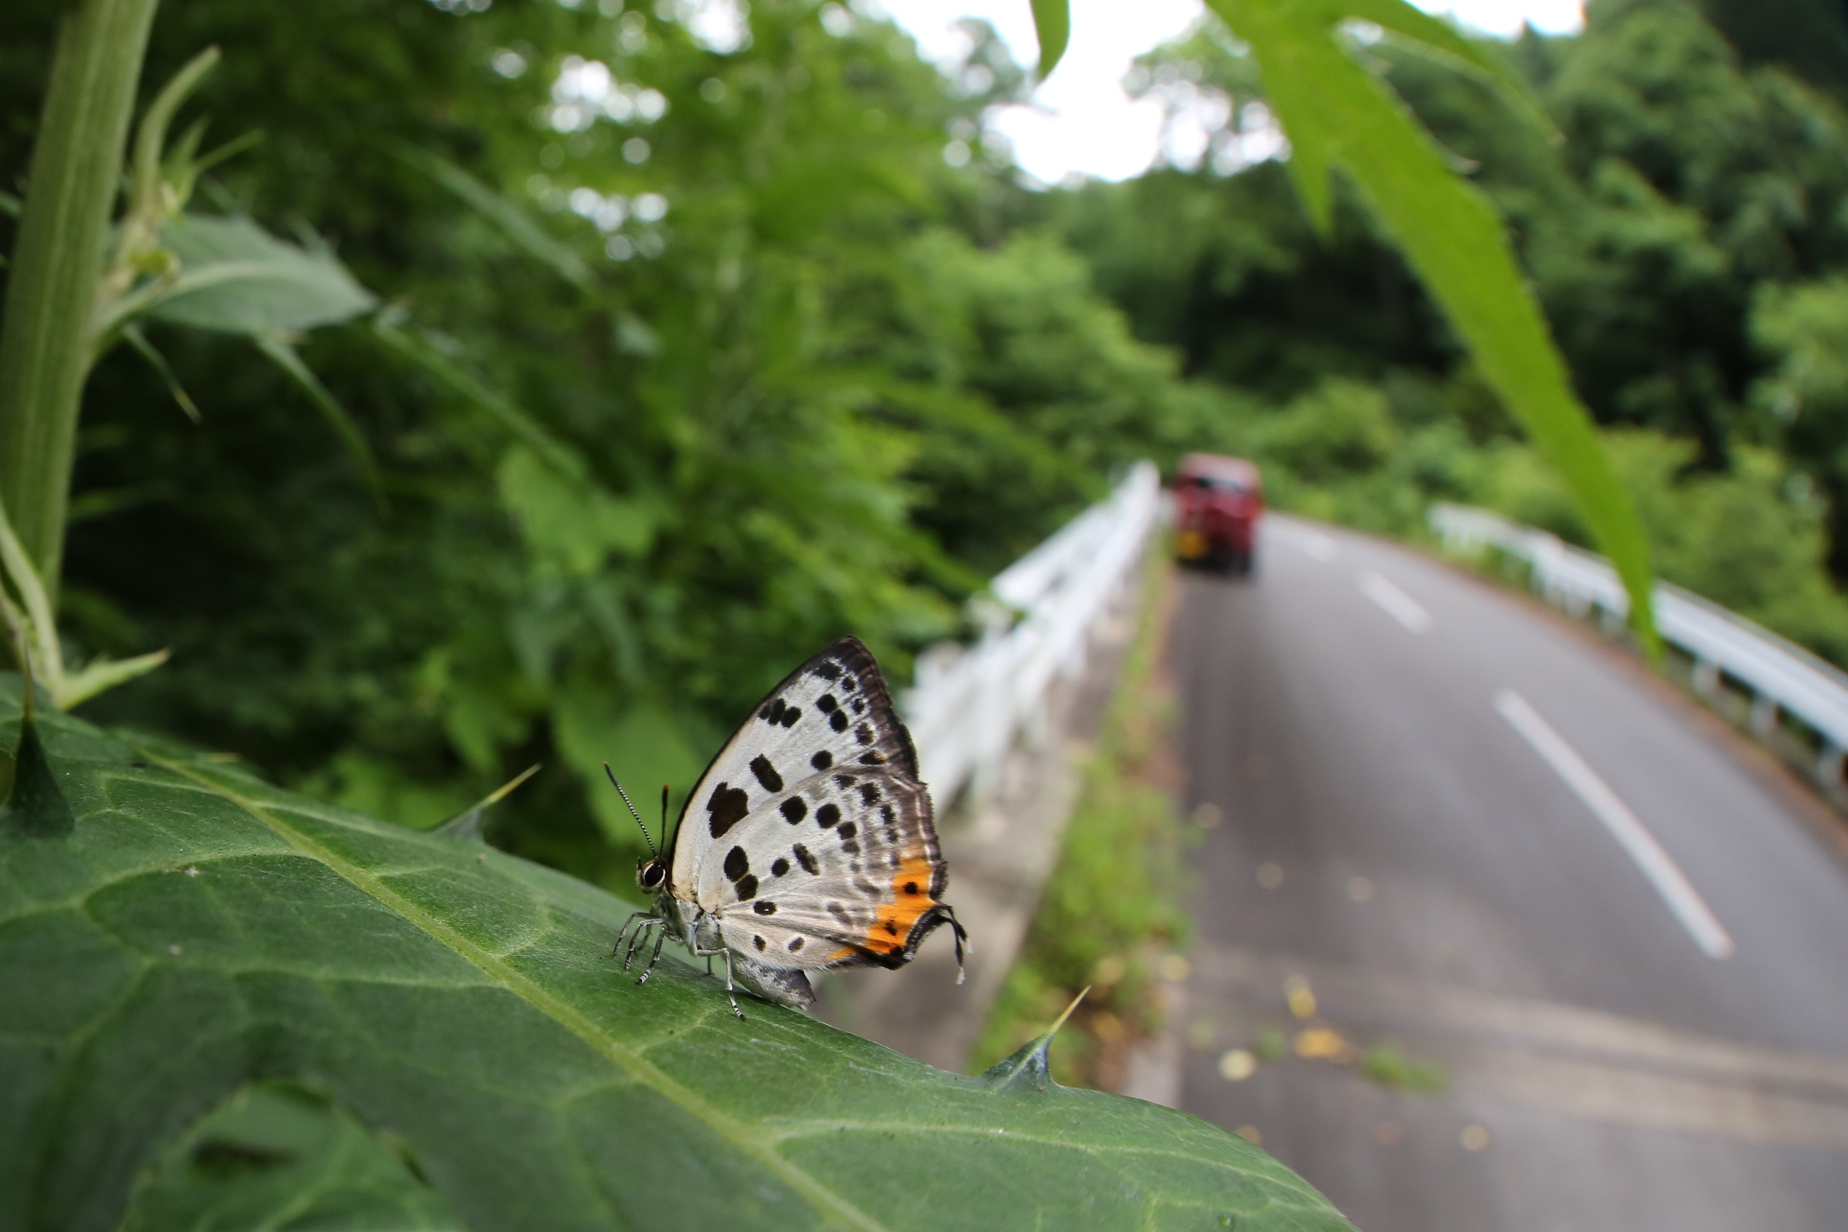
623, 457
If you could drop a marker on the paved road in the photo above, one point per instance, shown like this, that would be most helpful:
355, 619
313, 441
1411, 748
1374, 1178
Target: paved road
1422, 787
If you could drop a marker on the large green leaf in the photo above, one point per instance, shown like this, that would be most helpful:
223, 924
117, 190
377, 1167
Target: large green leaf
198, 930
276, 1155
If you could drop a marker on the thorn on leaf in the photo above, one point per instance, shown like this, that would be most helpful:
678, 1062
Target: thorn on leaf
35, 805
1028, 1067
467, 825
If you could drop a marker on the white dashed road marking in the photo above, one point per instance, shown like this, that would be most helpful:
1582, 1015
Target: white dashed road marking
1395, 602
1641, 846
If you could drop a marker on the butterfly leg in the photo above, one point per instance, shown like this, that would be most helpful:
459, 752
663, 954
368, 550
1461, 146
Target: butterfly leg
724, 953
626, 926
731, 996
640, 938
654, 957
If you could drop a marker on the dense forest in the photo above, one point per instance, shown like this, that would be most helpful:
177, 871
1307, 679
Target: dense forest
707, 333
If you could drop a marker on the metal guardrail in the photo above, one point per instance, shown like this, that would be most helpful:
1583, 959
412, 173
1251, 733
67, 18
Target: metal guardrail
970, 703
1782, 677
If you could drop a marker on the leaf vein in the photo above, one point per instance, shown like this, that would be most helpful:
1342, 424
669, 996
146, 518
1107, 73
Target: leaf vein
798, 1179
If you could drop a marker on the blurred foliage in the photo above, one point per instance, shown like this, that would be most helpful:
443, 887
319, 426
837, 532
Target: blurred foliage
710, 334
704, 341
1687, 239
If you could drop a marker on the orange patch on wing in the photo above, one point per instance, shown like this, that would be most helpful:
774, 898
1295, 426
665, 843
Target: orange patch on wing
910, 900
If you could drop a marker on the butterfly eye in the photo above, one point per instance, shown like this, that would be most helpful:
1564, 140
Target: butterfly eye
650, 875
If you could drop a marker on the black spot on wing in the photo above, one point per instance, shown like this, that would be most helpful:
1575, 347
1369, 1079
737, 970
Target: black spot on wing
846, 830
793, 809
796, 943
838, 720
747, 888
822, 760
828, 670
780, 867
766, 773
827, 815
764, 907
850, 684
791, 715
869, 793
757, 941
806, 860
826, 703
873, 757
863, 733
737, 864
773, 713
728, 806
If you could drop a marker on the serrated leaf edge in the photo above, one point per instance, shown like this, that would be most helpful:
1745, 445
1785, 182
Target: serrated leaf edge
637, 1067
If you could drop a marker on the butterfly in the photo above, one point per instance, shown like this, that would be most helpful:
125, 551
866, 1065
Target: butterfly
807, 844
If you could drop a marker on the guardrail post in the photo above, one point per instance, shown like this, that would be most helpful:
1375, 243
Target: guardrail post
1763, 719
972, 704
1781, 677
1829, 765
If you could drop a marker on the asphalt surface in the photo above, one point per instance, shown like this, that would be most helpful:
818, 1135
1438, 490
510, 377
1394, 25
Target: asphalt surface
1400, 861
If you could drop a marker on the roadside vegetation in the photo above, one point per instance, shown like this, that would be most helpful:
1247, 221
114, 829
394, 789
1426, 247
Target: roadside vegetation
1113, 917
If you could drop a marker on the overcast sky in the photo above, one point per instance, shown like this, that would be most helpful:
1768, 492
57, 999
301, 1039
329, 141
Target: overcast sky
1082, 122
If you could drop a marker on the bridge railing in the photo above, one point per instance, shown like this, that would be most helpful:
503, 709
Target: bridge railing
1781, 677
971, 703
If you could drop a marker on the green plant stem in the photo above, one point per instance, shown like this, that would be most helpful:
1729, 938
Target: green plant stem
58, 263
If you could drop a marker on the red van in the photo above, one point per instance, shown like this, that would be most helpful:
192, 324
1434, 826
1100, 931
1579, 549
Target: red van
1217, 503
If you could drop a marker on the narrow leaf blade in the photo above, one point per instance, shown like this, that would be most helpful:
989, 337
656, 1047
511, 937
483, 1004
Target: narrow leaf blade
518, 225
147, 350
105, 674
556, 454
286, 358
1337, 113
37, 807
1052, 21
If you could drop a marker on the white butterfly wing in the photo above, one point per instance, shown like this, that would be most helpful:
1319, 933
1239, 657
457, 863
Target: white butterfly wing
809, 835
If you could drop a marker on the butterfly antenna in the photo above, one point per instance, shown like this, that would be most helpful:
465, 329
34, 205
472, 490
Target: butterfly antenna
664, 791
632, 812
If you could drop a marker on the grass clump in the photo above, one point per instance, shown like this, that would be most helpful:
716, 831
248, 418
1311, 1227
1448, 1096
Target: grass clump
1386, 1065
1111, 912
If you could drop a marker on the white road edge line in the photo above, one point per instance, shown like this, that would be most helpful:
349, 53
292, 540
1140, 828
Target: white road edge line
1395, 602
1641, 846
1309, 542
